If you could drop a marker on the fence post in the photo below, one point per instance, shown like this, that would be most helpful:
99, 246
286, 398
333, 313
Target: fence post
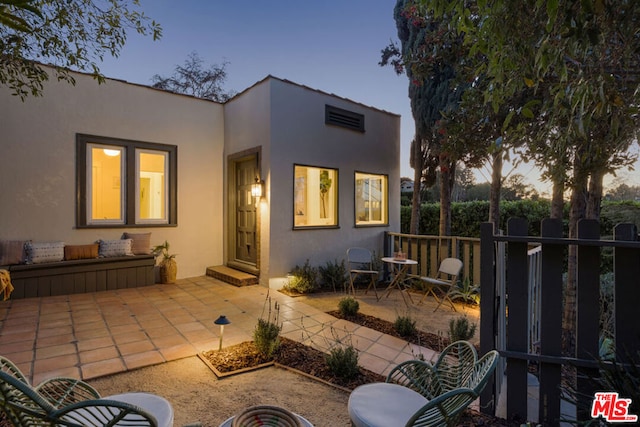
551, 322
588, 313
518, 324
488, 309
627, 293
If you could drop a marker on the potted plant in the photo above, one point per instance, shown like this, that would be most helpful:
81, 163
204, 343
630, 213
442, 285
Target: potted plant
168, 265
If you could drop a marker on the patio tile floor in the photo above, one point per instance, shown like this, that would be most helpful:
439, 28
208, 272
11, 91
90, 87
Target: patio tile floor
93, 335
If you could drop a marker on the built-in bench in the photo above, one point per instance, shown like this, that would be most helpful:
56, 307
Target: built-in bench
81, 276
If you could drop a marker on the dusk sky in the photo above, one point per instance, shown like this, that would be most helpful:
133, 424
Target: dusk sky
330, 45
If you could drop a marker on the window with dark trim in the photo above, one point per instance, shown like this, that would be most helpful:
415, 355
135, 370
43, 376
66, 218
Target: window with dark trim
124, 183
371, 199
344, 118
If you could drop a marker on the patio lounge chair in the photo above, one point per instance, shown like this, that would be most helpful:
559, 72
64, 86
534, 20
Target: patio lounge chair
71, 402
444, 281
360, 263
418, 393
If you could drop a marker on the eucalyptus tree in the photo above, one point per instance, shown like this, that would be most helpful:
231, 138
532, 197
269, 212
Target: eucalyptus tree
435, 91
581, 61
66, 34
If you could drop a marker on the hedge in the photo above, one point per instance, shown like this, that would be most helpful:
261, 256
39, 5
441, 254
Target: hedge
466, 217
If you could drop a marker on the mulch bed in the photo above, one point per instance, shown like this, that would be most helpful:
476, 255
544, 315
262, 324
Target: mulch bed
424, 339
310, 361
291, 354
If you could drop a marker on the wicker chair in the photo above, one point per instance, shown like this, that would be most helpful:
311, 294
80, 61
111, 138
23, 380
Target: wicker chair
418, 393
71, 402
59, 391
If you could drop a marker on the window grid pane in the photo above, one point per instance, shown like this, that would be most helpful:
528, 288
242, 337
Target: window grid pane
371, 199
315, 197
105, 170
151, 186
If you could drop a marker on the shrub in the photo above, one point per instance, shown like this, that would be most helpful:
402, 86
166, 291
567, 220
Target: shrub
343, 361
461, 329
348, 306
304, 279
620, 375
405, 326
266, 335
333, 274
466, 292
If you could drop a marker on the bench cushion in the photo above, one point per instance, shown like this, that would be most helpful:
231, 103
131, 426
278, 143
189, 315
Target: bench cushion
12, 252
383, 404
111, 248
155, 405
73, 252
141, 243
43, 252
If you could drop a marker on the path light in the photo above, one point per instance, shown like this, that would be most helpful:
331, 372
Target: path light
222, 320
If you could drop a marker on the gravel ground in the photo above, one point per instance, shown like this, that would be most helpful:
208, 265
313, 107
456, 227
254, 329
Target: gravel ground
197, 395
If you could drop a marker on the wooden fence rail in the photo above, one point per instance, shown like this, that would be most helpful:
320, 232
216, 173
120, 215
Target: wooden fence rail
430, 250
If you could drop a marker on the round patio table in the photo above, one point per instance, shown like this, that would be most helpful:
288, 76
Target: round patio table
399, 270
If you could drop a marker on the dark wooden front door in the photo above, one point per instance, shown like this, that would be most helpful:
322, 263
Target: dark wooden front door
243, 226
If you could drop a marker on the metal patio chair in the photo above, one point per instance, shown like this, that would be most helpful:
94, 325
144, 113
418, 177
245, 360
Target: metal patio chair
360, 263
444, 281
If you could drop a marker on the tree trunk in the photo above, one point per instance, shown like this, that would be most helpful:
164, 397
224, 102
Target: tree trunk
576, 213
496, 187
557, 200
416, 162
594, 200
447, 178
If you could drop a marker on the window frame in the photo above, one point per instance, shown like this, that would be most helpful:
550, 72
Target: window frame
128, 182
335, 185
384, 209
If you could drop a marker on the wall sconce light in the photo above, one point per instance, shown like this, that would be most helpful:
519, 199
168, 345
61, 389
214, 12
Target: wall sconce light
256, 188
222, 320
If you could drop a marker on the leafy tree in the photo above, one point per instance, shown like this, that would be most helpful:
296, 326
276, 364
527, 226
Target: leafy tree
11, 20
193, 79
580, 59
515, 188
624, 192
434, 90
68, 34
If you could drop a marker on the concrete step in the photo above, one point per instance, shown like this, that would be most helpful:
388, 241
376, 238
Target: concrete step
232, 276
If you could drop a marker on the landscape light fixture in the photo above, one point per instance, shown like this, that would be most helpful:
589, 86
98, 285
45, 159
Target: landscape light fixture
222, 320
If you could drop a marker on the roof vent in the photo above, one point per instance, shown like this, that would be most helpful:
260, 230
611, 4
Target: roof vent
343, 118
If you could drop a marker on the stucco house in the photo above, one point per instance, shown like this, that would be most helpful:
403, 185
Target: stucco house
90, 162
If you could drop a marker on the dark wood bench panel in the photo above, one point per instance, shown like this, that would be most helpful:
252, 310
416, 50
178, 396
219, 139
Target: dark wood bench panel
81, 276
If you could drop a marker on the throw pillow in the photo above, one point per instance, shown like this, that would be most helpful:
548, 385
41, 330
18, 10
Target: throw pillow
141, 242
110, 248
41, 252
12, 252
72, 252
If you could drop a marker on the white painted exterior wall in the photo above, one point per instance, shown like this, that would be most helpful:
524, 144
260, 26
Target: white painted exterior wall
287, 120
38, 164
